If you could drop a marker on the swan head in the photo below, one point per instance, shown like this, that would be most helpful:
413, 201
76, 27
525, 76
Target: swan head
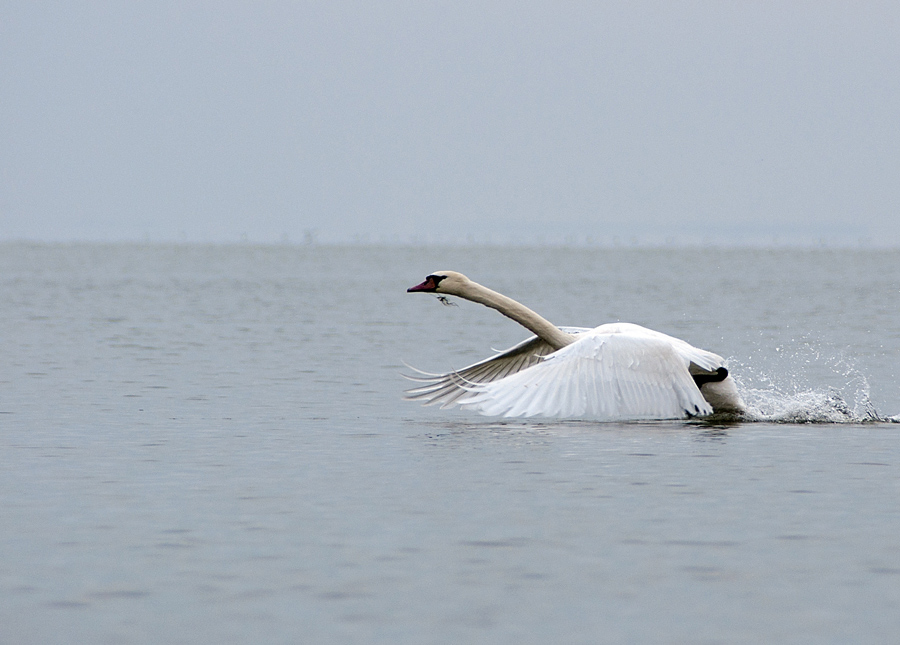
449, 282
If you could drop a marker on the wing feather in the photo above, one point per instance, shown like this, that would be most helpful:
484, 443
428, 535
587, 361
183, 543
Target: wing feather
602, 375
615, 371
448, 388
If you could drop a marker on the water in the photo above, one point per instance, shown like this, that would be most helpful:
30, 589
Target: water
207, 445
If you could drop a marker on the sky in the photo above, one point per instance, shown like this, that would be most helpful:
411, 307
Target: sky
419, 122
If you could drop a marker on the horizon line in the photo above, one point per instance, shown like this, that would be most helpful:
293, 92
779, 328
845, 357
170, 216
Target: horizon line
633, 243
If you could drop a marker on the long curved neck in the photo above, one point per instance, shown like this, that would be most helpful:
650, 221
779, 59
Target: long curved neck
539, 325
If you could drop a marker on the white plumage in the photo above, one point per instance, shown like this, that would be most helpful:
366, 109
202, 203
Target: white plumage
615, 371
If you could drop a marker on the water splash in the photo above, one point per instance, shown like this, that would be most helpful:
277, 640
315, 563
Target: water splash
783, 391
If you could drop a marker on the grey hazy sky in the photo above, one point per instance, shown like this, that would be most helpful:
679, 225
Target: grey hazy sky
485, 121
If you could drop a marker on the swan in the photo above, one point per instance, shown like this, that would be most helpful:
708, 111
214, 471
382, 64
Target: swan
617, 371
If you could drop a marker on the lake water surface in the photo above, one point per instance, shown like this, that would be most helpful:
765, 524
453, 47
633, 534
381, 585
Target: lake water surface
208, 445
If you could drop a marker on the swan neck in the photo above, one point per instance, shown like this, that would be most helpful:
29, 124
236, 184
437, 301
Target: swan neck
529, 319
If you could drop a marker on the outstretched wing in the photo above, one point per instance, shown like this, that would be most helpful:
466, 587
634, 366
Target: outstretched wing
604, 376
447, 389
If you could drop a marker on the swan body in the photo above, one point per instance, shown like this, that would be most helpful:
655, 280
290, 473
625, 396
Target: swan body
616, 371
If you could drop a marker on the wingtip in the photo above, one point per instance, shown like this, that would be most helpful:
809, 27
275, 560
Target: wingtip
418, 371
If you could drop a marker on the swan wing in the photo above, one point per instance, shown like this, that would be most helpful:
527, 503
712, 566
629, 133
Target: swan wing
602, 375
698, 360
447, 389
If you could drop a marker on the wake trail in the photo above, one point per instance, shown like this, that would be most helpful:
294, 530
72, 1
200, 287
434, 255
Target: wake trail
784, 394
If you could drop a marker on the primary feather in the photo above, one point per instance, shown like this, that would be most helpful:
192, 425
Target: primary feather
448, 389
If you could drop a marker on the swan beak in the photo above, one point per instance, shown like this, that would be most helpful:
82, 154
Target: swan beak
427, 286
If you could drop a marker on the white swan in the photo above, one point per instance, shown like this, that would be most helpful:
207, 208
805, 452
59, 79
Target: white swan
612, 372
